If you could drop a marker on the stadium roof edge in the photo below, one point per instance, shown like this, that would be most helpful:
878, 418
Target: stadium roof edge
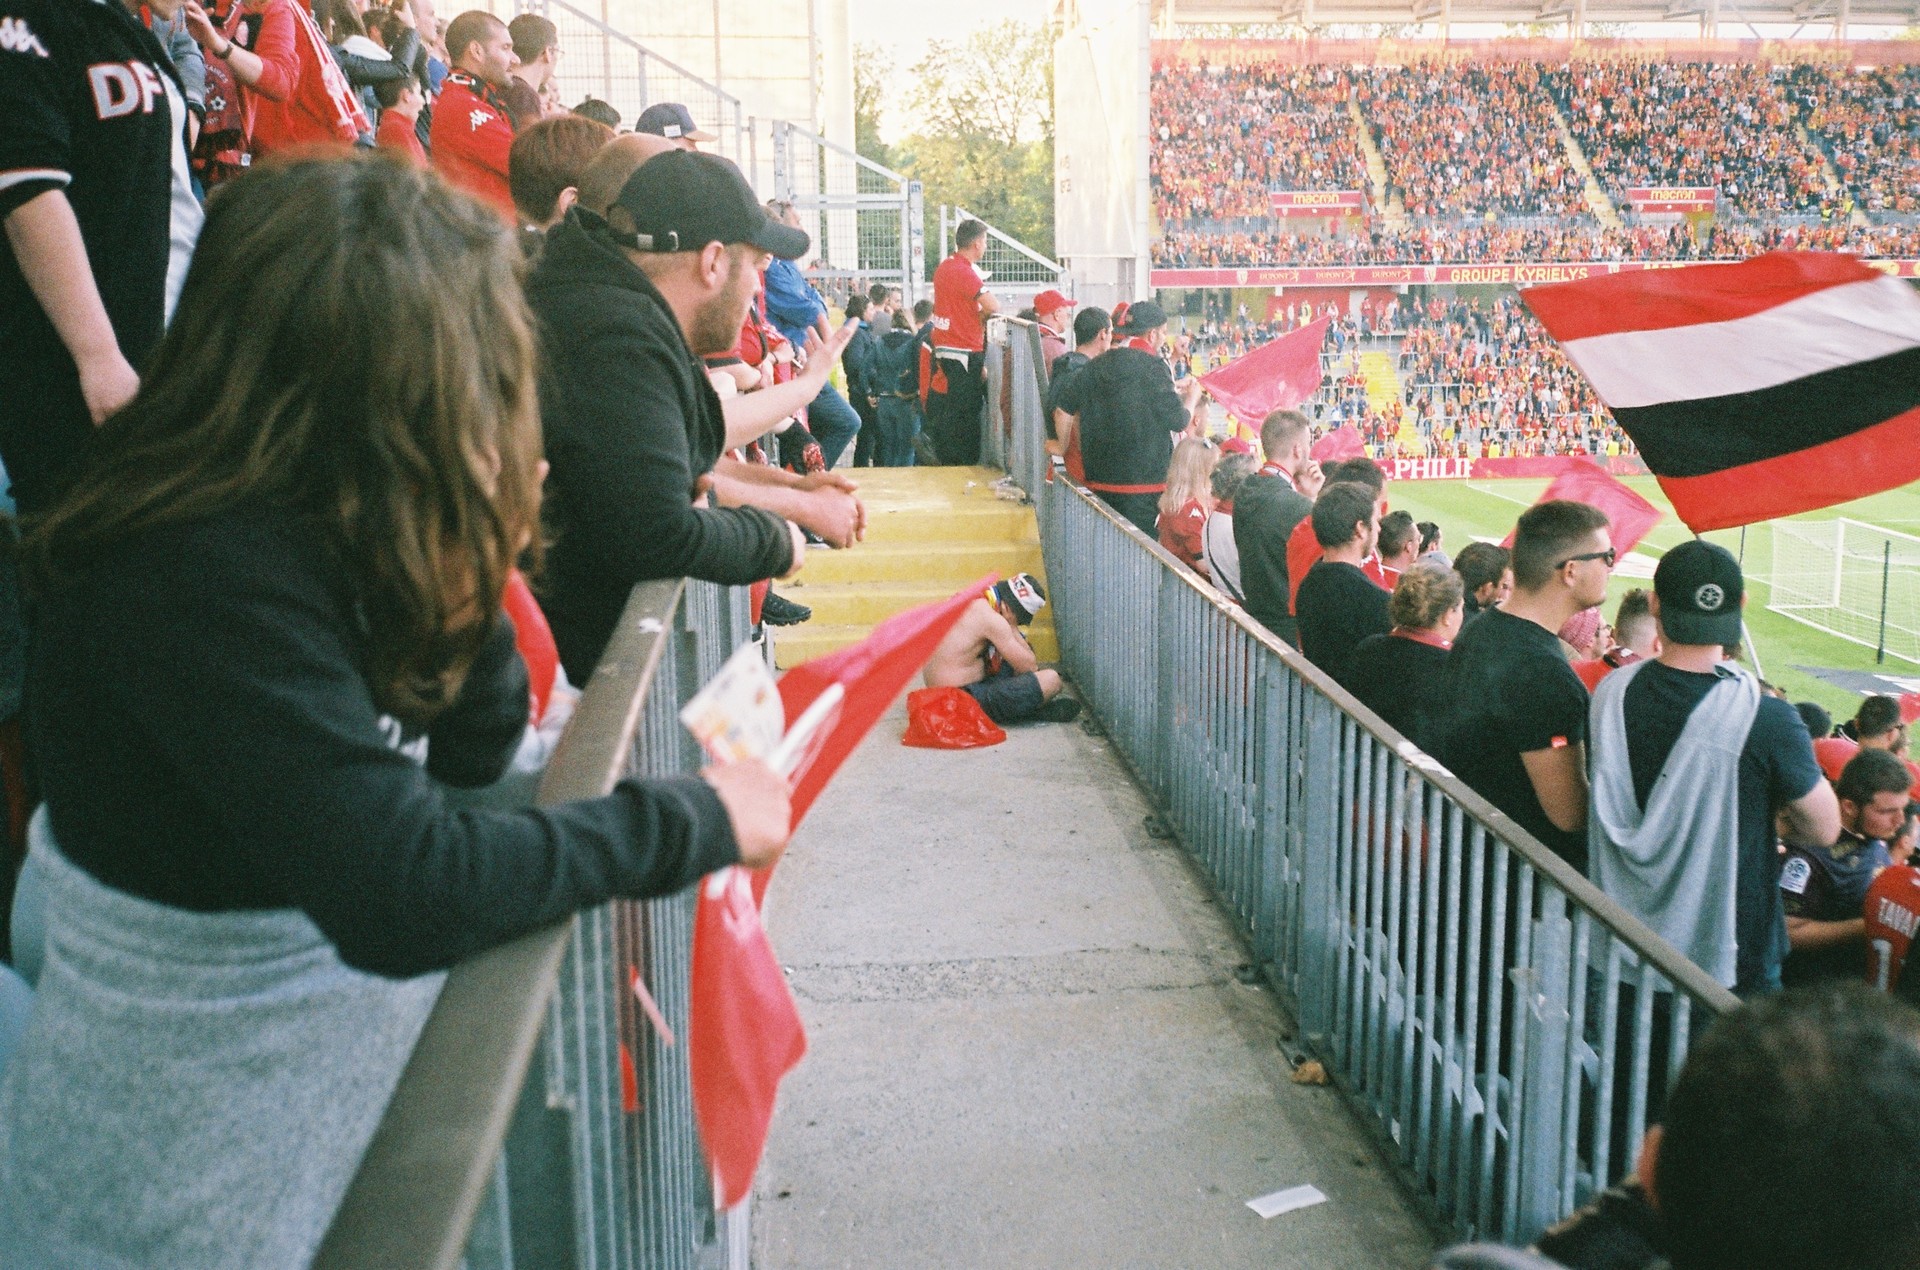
1173, 13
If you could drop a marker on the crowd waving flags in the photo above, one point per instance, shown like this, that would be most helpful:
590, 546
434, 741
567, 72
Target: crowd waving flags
1780, 385
1278, 375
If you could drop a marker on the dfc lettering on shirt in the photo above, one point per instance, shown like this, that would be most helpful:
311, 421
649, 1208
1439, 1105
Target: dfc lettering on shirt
121, 88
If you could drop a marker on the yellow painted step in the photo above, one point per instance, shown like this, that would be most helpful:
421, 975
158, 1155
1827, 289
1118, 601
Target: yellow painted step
948, 565
795, 644
934, 520
845, 603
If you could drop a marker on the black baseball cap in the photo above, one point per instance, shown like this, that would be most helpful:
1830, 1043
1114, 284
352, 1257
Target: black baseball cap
683, 200
671, 120
1142, 317
1701, 591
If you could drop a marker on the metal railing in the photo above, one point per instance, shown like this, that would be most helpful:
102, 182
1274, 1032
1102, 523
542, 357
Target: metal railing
866, 220
1505, 1029
1014, 270
510, 1139
599, 61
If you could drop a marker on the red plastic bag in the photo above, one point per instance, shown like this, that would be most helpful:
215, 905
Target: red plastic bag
948, 719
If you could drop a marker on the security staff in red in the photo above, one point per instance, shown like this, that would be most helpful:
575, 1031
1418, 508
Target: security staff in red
957, 387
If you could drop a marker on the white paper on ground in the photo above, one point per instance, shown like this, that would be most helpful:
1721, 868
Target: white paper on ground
1287, 1201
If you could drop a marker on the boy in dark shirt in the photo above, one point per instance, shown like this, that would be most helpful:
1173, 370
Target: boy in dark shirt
1519, 727
1339, 605
1825, 888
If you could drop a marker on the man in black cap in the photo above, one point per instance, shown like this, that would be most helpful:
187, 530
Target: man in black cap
1127, 415
1691, 765
630, 292
673, 121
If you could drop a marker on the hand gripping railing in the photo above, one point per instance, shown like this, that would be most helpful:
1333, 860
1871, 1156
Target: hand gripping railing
1506, 1030
487, 1155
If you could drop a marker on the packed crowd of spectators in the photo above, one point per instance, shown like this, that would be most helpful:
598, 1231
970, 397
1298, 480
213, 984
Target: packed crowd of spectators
1473, 155
1469, 139
1225, 136
1869, 121
1727, 125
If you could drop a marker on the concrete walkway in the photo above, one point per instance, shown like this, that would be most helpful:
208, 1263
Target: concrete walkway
1029, 1047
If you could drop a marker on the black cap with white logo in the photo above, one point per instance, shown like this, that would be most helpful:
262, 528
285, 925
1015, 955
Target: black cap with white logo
681, 201
1701, 591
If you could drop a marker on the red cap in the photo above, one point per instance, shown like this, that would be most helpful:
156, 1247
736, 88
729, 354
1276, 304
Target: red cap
1052, 302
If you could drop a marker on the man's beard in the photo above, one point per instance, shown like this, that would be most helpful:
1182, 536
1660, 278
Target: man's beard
716, 324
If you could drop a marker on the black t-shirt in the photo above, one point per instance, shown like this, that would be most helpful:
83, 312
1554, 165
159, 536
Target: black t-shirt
1776, 767
1338, 607
92, 107
207, 738
1510, 691
1829, 884
1128, 413
1058, 374
1404, 682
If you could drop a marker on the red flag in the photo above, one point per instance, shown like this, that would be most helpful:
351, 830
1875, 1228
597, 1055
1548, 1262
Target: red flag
1342, 443
1779, 385
1910, 707
743, 1029
1583, 482
1276, 376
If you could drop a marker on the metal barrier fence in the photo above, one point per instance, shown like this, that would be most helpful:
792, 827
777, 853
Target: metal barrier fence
866, 220
599, 61
1505, 1029
516, 1136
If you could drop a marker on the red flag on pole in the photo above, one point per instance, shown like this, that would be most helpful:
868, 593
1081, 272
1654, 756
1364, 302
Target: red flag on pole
1778, 385
1342, 443
1583, 482
1276, 376
743, 1029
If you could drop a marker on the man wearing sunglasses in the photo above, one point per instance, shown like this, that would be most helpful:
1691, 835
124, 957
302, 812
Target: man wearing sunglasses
1518, 730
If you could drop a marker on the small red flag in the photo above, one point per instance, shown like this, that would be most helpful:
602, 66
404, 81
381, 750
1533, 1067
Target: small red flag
1278, 375
1583, 482
743, 1029
1342, 443
1910, 707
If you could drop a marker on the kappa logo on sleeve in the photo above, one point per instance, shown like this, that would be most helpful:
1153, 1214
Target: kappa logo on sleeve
17, 37
1795, 874
479, 117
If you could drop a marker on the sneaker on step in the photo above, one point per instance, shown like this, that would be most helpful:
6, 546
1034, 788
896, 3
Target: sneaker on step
778, 610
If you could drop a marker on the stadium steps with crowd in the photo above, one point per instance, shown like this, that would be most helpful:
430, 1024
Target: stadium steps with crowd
930, 531
1394, 212
1602, 206
1829, 175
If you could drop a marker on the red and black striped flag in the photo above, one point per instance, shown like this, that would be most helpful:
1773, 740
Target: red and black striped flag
1783, 384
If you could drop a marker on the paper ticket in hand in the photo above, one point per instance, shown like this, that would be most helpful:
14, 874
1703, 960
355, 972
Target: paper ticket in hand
738, 714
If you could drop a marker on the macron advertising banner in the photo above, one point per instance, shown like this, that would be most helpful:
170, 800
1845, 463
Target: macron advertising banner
1318, 202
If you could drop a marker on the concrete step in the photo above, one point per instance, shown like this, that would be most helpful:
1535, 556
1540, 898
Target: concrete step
851, 603
948, 565
936, 520
795, 644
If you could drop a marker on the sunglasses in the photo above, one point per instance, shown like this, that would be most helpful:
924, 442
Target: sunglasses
1609, 555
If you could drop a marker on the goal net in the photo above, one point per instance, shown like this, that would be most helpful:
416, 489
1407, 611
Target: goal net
1849, 579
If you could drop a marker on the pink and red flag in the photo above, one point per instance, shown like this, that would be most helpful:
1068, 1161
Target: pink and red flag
1278, 375
1342, 443
1630, 515
744, 1031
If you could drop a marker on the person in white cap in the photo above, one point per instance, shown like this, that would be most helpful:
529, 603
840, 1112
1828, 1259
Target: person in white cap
986, 655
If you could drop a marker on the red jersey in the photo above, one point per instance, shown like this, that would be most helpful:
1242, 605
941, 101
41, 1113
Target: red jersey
1183, 534
302, 97
396, 133
956, 306
471, 136
1892, 913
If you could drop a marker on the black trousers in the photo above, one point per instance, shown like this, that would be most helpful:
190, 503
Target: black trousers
863, 447
953, 416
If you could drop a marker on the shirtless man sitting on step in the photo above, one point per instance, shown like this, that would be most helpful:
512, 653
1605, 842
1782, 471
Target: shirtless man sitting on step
986, 656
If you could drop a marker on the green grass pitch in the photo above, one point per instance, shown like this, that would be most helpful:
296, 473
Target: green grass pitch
1466, 510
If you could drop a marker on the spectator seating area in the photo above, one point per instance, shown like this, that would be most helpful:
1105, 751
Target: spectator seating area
1472, 165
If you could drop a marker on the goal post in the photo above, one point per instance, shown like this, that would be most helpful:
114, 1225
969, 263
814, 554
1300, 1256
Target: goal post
1853, 580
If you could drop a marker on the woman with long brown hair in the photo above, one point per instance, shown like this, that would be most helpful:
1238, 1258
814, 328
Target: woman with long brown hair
282, 563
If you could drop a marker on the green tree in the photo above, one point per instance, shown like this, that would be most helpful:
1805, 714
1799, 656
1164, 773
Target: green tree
869, 89
982, 132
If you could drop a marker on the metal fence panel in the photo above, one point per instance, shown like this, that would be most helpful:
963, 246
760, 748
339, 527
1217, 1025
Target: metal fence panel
1505, 1030
865, 220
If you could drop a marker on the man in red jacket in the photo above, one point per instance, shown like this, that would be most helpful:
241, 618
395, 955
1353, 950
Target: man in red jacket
471, 130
